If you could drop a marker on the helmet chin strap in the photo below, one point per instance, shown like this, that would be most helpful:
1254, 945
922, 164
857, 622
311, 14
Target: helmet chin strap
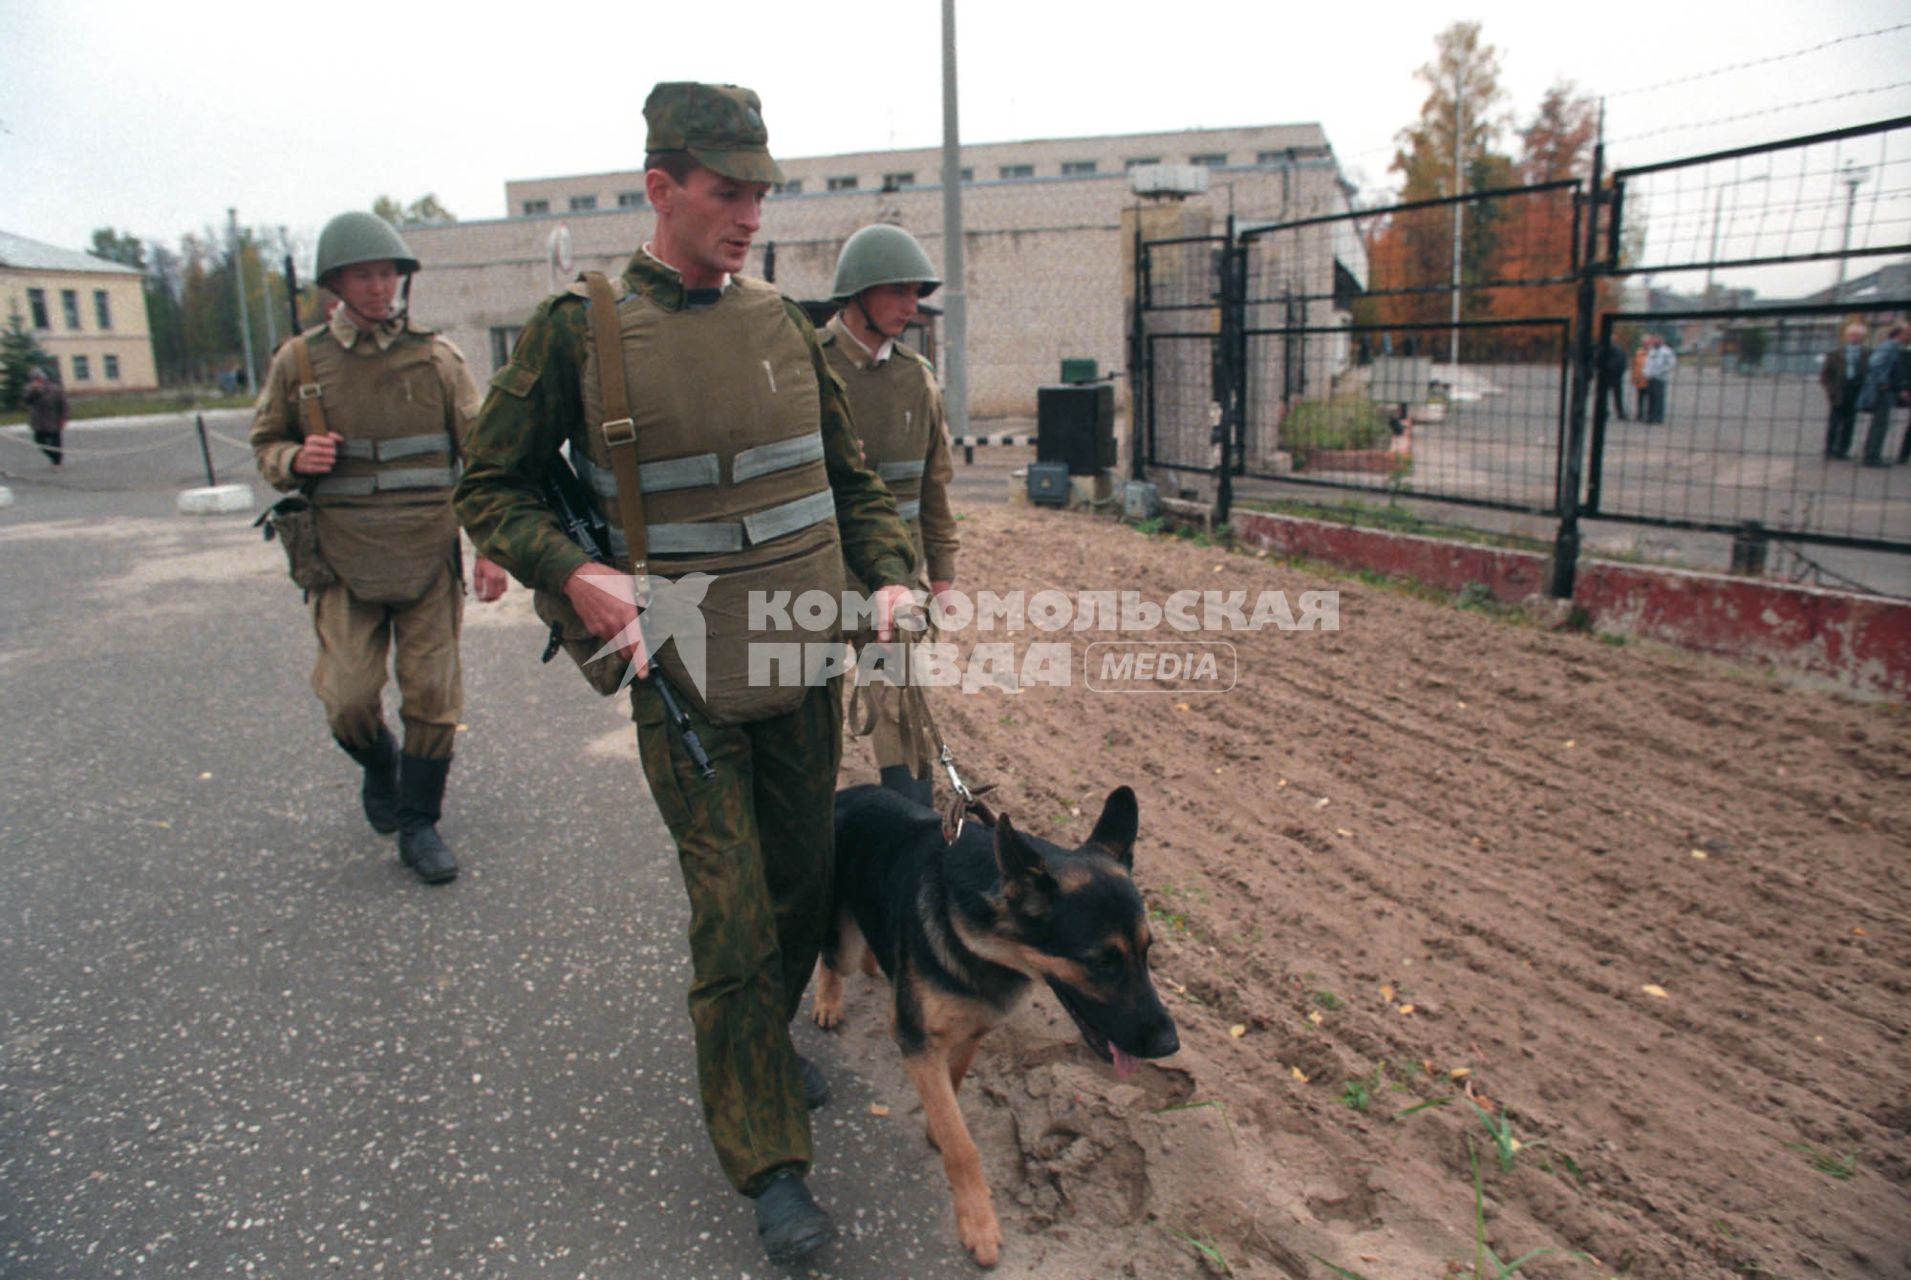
873, 327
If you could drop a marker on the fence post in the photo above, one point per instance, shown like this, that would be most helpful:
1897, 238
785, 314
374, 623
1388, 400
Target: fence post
1227, 375
1566, 544
205, 451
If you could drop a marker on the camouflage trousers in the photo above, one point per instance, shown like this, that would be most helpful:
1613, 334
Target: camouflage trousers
757, 849
420, 639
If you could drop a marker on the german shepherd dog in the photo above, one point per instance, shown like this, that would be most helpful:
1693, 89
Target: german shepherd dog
961, 930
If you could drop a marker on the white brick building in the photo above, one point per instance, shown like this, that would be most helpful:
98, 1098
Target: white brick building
1042, 220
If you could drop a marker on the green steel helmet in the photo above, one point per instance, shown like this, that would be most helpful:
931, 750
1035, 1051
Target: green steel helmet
883, 254
362, 237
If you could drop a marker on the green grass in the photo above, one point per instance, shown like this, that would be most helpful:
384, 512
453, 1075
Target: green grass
180, 400
1346, 422
1198, 1106
1204, 1246
1328, 1000
1843, 1168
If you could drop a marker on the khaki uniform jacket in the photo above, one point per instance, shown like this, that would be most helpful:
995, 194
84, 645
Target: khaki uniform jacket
387, 546
898, 411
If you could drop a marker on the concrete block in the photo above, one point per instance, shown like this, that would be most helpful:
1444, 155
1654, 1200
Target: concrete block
218, 500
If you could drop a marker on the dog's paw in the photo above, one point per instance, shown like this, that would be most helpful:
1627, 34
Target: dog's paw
828, 1014
981, 1234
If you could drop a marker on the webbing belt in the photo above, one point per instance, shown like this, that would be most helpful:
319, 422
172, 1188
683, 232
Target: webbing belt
909, 510
384, 482
901, 470
717, 536
392, 449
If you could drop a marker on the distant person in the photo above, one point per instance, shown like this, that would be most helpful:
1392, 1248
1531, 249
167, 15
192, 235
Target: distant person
881, 276
1612, 376
1843, 377
1885, 380
46, 414
1641, 398
367, 415
1660, 362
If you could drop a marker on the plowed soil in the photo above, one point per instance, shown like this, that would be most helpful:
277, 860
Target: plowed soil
1635, 920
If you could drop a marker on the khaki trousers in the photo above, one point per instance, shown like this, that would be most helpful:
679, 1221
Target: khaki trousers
356, 641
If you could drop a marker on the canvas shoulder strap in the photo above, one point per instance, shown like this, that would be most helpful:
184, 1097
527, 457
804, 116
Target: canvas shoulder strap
311, 411
618, 428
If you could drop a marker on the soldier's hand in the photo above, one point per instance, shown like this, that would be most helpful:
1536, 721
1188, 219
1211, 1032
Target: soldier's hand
488, 580
890, 600
606, 600
318, 455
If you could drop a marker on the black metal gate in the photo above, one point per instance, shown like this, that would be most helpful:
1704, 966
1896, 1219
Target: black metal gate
1479, 349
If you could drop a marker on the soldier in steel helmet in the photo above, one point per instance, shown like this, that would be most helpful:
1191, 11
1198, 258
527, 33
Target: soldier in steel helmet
882, 275
367, 415
742, 448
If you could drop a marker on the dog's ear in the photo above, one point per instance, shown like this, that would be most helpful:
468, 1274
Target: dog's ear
1026, 884
1115, 829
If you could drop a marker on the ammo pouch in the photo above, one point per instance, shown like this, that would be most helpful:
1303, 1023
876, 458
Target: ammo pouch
606, 674
294, 522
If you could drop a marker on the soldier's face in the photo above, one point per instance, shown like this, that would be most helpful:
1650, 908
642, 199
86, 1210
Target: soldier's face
368, 290
891, 307
706, 224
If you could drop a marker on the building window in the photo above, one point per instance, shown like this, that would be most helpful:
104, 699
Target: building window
1140, 162
968, 175
102, 309
1011, 172
535, 207
1078, 168
36, 300
897, 181
1271, 157
847, 183
82, 369
583, 204
631, 200
1209, 159
504, 337
794, 187
70, 305
112, 367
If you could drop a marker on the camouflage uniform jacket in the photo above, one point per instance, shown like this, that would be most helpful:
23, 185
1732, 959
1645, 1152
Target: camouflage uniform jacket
536, 403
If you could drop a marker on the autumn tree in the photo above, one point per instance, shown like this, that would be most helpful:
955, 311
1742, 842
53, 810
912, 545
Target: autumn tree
425, 211
1449, 150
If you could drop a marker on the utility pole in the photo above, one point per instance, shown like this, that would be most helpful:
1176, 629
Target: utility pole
1854, 173
955, 294
239, 283
1459, 206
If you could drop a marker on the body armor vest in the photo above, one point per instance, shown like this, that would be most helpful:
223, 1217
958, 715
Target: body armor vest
893, 406
384, 510
728, 421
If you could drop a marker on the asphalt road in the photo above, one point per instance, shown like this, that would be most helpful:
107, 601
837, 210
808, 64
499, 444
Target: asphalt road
237, 1038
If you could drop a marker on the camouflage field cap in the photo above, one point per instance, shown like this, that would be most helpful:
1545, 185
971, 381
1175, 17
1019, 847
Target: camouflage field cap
720, 125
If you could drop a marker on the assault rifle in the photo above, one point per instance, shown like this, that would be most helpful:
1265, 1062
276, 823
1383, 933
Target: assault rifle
563, 493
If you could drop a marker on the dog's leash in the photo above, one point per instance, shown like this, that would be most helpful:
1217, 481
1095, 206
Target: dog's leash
967, 801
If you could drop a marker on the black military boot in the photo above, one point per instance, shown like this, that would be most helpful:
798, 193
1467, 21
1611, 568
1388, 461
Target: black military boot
379, 791
421, 795
789, 1222
922, 791
815, 1087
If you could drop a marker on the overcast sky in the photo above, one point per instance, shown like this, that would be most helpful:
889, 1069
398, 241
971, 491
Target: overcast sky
154, 118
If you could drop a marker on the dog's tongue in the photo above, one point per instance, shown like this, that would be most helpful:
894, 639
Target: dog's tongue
1125, 1063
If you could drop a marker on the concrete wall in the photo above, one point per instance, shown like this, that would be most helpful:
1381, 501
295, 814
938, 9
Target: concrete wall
1858, 642
1044, 256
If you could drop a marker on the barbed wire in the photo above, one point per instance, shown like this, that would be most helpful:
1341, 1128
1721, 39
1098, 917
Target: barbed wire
1762, 111
1757, 62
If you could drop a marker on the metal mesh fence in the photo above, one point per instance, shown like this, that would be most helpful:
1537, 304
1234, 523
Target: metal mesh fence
1179, 315
1747, 436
